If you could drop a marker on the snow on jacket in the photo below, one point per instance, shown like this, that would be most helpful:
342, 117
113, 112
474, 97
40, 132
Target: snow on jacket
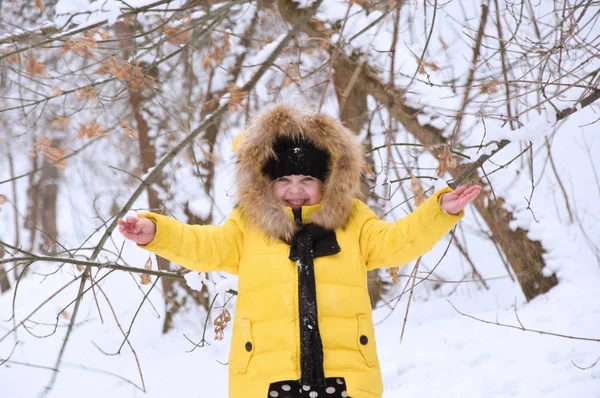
254, 243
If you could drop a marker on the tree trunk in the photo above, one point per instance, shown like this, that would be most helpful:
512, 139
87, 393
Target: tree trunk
354, 113
172, 288
41, 211
4, 281
48, 186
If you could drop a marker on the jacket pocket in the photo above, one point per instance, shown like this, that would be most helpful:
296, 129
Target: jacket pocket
366, 340
242, 346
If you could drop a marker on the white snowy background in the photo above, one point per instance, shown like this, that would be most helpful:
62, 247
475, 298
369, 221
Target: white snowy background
442, 353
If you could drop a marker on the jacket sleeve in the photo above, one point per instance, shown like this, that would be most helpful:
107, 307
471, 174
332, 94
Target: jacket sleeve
201, 248
386, 244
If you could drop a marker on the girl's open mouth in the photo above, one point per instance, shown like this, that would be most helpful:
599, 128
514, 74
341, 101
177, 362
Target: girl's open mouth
296, 203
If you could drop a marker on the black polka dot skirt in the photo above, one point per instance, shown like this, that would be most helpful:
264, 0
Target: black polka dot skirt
335, 387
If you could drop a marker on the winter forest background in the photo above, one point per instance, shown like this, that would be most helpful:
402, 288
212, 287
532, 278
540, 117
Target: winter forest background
112, 107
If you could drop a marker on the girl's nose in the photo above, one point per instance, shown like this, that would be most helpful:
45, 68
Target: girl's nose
295, 188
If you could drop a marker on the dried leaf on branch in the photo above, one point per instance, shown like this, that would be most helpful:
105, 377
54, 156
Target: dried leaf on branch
60, 122
226, 43
236, 96
177, 35
81, 45
33, 67
446, 160
417, 189
3, 199
291, 76
489, 87
216, 53
221, 323
43, 146
393, 272
145, 278
431, 65
39, 5
91, 130
55, 92
86, 93
132, 74
13, 58
443, 44
128, 130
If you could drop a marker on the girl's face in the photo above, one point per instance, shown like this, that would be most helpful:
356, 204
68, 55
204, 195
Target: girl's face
298, 190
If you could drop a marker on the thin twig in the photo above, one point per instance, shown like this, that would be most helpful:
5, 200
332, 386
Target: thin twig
412, 289
566, 336
560, 184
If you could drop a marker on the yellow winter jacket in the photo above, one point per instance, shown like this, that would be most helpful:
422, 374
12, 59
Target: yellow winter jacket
265, 345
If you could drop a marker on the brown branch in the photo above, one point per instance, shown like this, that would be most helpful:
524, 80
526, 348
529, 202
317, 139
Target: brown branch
586, 367
503, 62
560, 184
108, 265
521, 327
420, 60
415, 271
580, 105
471, 76
465, 253
126, 335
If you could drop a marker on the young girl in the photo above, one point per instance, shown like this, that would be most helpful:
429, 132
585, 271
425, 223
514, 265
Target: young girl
301, 244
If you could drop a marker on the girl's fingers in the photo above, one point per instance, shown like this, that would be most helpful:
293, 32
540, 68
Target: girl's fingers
136, 228
471, 197
460, 190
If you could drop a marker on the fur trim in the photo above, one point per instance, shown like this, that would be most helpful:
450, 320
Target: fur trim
255, 191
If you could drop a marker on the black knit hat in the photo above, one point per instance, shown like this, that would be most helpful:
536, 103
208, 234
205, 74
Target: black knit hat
295, 157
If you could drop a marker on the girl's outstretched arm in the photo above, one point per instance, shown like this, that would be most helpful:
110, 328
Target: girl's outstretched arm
201, 248
390, 244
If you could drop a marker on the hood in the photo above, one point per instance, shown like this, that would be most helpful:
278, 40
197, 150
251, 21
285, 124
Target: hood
254, 147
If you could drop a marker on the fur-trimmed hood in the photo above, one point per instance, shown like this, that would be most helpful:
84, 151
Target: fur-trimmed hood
254, 147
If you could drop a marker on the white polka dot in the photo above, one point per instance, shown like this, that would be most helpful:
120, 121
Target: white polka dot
313, 394
286, 387
274, 394
306, 388
339, 381
330, 390
344, 394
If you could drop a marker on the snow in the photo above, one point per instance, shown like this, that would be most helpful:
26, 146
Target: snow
534, 130
304, 3
194, 280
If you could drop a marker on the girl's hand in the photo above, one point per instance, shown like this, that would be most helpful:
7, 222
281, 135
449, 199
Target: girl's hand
454, 202
139, 230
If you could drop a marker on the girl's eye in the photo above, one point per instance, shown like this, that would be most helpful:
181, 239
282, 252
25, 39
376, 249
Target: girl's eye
308, 179
282, 179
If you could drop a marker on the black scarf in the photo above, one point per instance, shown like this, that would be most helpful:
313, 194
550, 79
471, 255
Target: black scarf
309, 242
